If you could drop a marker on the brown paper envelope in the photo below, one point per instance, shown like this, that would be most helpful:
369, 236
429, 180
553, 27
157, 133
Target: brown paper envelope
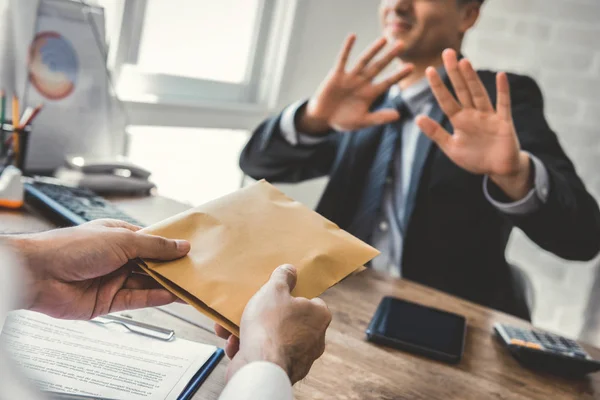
237, 242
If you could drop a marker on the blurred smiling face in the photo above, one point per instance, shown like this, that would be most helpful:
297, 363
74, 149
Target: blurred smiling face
427, 27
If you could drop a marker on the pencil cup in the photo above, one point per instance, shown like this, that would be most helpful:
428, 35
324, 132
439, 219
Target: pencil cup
21, 150
17, 143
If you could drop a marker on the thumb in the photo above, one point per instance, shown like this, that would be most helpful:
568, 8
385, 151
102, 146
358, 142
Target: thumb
284, 277
157, 247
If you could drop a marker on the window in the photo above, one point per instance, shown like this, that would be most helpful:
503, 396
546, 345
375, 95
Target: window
174, 43
194, 52
191, 165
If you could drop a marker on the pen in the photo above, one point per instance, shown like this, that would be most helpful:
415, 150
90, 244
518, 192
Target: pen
69, 396
15, 123
26, 114
28, 119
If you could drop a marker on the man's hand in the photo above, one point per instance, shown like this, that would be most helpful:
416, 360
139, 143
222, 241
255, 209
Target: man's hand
343, 100
484, 140
83, 272
276, 327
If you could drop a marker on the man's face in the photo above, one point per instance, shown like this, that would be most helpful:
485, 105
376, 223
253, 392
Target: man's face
426, 26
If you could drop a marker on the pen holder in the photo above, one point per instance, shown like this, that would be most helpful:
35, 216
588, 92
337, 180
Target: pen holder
3, 146
17, 142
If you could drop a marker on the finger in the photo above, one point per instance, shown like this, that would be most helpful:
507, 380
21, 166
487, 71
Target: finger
318, 302
141, 282
368, 55
222, 332
131, 299
114, 223
395, 78
503, 106
481, 99
321, 304
434, 131
232, 346
376, 67
447, 102
285, 276
381, 117
155, 247
345, 53
456, 78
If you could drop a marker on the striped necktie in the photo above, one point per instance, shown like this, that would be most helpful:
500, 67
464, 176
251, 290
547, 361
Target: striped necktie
371, 198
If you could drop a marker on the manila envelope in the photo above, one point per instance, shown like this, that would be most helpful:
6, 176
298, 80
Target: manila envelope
240, 239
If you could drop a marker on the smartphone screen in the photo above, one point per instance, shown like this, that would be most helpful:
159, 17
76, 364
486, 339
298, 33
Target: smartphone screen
421, 326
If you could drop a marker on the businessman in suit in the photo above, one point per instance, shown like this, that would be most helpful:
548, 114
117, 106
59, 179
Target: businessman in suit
422, 165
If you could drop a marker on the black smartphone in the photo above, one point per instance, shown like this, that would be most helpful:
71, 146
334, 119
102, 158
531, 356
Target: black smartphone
418, 329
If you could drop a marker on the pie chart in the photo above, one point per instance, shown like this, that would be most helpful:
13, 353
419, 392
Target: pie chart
53, 65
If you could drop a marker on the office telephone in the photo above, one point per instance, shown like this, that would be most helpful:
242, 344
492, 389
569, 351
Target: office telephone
106, 176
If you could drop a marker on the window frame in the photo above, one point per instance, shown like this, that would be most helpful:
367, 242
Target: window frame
158, 97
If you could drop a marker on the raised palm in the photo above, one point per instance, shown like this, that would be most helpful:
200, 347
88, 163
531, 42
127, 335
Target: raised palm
344, 99
484, 139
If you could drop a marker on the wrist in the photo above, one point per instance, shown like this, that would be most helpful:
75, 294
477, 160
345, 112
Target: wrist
310, 123
517, 183
25, 249
265, 350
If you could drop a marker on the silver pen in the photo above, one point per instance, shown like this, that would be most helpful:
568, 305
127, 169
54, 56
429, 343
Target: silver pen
140, 328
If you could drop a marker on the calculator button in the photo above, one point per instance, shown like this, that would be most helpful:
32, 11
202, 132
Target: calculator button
549, 339
568, 343
517, 342
579, 354
532, 345
557, 349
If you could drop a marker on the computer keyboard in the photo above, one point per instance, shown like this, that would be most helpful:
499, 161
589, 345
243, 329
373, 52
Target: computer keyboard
68, 206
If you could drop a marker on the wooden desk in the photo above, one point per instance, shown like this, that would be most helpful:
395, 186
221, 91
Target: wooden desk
353, 369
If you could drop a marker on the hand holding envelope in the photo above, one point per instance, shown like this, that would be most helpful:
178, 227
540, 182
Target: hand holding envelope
240, 239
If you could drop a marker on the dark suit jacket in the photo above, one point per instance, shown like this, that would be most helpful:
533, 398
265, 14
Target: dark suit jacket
455, 239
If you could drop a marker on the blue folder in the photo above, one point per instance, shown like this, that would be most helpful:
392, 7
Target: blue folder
201, 375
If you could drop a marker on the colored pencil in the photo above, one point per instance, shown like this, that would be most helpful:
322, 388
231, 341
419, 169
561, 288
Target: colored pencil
15, 124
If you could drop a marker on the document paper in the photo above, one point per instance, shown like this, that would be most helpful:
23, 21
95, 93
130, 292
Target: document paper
80, 357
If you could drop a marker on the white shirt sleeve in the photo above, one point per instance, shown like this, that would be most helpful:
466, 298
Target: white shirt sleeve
287, 126
533, 200
13, 383
259, 380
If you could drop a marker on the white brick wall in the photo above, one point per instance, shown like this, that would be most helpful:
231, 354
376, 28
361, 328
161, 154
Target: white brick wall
557, 42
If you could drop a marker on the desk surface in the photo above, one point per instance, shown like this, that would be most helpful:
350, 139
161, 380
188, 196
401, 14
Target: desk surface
351, 368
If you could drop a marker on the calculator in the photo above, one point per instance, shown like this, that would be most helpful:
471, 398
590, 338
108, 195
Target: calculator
546, 351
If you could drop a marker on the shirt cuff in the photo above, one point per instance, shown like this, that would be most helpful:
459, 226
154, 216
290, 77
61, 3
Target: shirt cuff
287, 126
533, 200
259, 380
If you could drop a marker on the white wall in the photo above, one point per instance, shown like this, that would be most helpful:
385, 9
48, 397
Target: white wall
6, 49
322, 26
